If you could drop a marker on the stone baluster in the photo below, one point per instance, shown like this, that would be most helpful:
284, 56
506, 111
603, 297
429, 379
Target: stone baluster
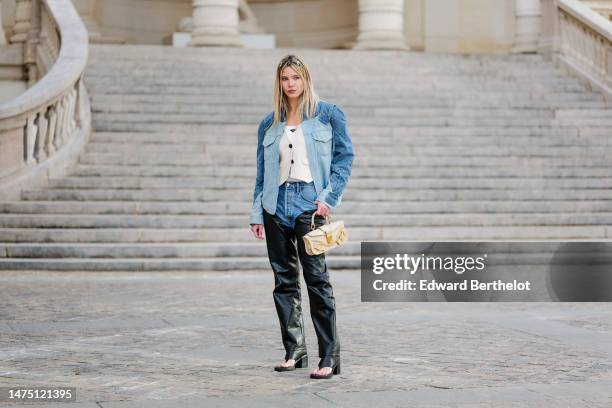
51, 143
78, 113
72, 105
23, 10
58, 141
66, 119
31, 131
41, 142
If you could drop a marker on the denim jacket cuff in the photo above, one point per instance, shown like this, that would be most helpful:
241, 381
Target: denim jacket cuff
257, 219
325, 198
257, 210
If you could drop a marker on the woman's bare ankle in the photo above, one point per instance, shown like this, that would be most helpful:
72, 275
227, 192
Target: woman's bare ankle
287, 363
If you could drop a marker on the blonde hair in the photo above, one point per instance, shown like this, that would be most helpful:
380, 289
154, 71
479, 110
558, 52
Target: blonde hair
308, 99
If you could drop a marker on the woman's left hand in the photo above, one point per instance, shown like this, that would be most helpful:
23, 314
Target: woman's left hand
322, 209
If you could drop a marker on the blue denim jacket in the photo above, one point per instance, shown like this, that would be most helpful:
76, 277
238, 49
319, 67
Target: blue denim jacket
330, 154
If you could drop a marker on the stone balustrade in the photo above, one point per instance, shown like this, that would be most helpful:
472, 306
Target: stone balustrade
585, 44
43, 129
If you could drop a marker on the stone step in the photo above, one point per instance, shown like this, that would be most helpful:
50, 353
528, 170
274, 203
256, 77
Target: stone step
387, 112
448, 93
426, 170
383, 118
361, 117
252, 81
323, 71
156, 183
355, 207
151, 56
334, 68
102, 121
475, 112
161, 264
349, 61
407, 151
160, 221
174, 128
356, 234
333, 86
150, 250
232, 133
403, 195
528, 252
336, 62
379, 144
424, 101
597, 158
330, 68
337, 67
259, 84
238, 132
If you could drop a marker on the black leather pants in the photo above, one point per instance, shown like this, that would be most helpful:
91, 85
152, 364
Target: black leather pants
285, 246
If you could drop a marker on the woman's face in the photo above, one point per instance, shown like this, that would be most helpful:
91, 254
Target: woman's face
292, 83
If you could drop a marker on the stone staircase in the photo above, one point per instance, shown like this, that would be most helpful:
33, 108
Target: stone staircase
447, 148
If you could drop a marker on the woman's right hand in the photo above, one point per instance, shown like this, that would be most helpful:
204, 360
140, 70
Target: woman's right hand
257, 230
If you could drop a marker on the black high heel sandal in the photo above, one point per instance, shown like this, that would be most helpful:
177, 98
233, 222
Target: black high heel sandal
301, 361
329, 362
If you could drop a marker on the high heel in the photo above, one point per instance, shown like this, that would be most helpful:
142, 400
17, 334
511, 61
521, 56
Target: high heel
335, 366
300, 362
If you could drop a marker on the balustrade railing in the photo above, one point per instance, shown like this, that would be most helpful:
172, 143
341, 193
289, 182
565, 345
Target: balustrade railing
42, 130
581, 41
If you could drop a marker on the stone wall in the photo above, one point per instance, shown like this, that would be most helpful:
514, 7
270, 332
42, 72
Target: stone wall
140, 21
469, 26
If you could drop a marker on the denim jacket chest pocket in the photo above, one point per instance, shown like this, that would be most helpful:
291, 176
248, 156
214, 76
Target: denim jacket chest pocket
322, 140
269, 146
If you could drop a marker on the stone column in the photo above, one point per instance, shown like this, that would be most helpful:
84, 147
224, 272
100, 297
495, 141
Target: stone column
381, 25
528, 26
23, 11
215, 23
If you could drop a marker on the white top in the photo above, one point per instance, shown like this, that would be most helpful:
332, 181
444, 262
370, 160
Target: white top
293, 158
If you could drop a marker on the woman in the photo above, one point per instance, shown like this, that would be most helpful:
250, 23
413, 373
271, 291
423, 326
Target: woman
304, 161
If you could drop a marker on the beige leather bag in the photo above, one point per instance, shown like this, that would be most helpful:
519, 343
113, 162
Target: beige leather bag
324, 238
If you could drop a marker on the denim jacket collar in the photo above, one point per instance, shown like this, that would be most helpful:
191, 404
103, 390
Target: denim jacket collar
307, 124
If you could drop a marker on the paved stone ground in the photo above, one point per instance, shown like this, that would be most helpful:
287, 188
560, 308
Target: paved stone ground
190, 339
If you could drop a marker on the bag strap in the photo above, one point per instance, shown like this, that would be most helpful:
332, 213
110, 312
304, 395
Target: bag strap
312, 223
